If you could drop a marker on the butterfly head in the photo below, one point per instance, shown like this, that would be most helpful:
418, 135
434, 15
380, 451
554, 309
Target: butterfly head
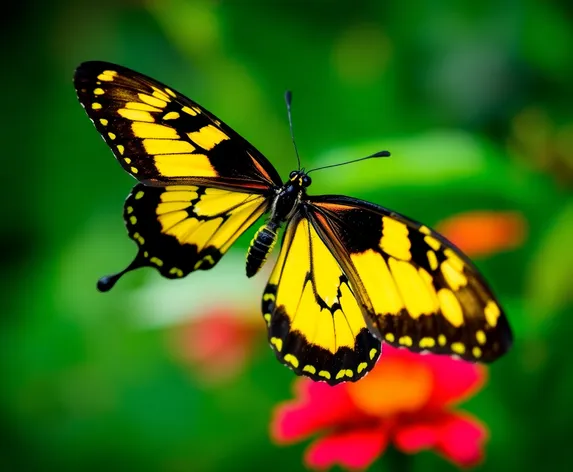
300, 178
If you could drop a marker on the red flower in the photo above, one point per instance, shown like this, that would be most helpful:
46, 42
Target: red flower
219, 343
481, 233
407, 400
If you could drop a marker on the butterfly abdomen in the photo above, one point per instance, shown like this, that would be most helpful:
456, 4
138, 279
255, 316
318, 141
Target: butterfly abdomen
261, 246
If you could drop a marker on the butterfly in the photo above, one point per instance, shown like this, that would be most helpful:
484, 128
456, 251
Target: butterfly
349, 275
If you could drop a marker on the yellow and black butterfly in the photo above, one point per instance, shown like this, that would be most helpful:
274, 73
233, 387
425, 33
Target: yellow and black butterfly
349, 275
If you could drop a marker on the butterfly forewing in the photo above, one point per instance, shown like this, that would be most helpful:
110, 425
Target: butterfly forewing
161, 137
419, 291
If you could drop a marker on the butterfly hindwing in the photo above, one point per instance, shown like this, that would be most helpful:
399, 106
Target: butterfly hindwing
180, 229
419, 290
161, 137
315, 322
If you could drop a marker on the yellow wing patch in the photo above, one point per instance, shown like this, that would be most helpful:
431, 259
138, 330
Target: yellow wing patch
208, 137
316, 325
205, 217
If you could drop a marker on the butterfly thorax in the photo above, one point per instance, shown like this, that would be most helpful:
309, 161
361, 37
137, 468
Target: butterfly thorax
285, 203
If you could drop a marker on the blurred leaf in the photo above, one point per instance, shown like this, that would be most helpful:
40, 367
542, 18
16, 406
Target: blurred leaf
433, 158
550, 272
548, 38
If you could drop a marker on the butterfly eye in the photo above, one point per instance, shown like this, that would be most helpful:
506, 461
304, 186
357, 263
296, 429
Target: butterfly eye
306, 180
292, 175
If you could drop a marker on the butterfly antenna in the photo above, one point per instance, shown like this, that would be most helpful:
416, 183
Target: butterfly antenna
288, 100
378, 154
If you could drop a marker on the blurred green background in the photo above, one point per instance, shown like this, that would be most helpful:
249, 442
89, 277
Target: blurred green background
474, 101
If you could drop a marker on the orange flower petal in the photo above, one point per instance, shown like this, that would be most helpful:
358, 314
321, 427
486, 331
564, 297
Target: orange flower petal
398, 384
481, 233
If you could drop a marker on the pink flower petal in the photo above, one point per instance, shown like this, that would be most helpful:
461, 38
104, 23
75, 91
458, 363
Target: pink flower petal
217, 344
317, 406
461, 439
458, 437
354, 449
415, 437
454, 379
